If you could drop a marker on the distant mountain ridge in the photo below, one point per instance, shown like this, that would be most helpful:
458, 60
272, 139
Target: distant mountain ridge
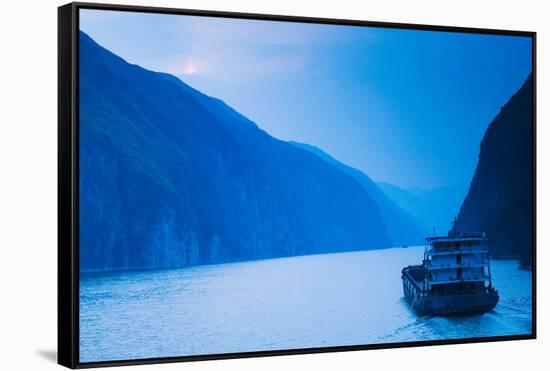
170, 177
500, 198
402, 227
434, 208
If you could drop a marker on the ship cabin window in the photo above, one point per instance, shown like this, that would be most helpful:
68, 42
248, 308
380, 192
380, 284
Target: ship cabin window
457, 244
469, 243
458, 259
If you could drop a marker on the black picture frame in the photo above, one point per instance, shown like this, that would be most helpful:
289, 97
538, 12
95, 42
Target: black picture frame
68, 180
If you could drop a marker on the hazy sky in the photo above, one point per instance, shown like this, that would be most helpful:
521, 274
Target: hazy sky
406, 107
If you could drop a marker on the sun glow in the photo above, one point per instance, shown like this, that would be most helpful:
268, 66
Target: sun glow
190, 67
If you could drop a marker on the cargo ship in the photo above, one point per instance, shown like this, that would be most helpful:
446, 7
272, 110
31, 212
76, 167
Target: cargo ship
454, 277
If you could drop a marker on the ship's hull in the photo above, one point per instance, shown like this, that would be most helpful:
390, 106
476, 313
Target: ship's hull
447, 305
454, 305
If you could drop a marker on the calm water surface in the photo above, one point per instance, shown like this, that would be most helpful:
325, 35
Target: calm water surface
299, 302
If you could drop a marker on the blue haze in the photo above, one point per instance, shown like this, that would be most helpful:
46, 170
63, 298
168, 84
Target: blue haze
375, 99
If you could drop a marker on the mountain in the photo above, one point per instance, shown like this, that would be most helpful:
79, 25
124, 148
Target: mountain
402, 227
500, 199
170, 177
435, 208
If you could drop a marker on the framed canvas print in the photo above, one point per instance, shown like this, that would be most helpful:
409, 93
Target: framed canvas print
235, 185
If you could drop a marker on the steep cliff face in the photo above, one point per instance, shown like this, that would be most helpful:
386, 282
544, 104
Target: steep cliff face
403, 228
171, 177
500, 199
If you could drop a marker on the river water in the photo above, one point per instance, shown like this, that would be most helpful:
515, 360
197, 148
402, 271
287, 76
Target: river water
288, 303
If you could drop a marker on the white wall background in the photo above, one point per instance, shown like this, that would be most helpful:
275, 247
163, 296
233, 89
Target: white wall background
28, 181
